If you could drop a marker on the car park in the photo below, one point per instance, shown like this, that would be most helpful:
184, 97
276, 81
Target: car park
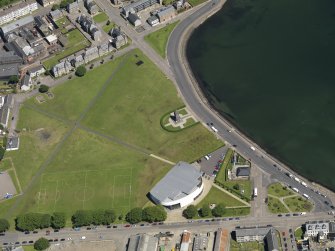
24, 242
62, 239
56, 239
17, 242
31, 241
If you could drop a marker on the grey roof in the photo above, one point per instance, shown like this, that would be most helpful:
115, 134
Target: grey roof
17, 24
142, 242
243, 171
56, 14
133, 17
272, 240
317, 226
167, 11
8, 70
152, 18
331, 227
13, 143
200, 243
252, 231
35, 69
25, 81
180, 181
9, 57
134, 5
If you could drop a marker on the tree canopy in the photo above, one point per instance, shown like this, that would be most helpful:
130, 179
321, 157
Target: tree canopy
205, 211
32, 221
190, 212
58, 220
43, 88
218, 210
13, 79
82, 218
81, 70
4, 225
134, 215
154, 214
41, 244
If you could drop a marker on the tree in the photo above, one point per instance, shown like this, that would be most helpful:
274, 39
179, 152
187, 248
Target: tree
58, 220
135, 215
236, 187
13, 80
32, 221
98, 217
218, 210
2, 152
63, 4
4, 225
110, 216
108, 22
81, 70
43, 88
55, 7
45, 221
190, 212
82, 218
154, 214
41, 244
205, 211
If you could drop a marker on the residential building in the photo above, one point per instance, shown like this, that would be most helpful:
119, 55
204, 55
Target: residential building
51, 39
42, 26
18, 10
142, 242
72, 7
11, 27
88, 26
36, 71
138, 6
185, 241
56, 14
9, 64
251, 234
13, 143
134, 19
179, 187
119, 38
26, 83
153, 20
78, 61
6, 103
28, 34
91, 54
222, 238
200, 242
271, 240
104, 48
319, 228
91, 7
45, 3
61, 68
166, 14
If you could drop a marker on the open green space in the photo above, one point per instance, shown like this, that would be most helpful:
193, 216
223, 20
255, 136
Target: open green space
299, 233
275, 206
158, 39
216, 196
196, 2
76, 41
62, 22
101, 17
89, 145
221, 176
108, 27
277, 189
5, 164
29, 248
250, 246
14, 180
243, 187
298, 204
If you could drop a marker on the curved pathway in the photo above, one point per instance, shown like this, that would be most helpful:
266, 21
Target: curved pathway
195, 100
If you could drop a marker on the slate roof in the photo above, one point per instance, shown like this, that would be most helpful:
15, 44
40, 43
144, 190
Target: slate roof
243, 171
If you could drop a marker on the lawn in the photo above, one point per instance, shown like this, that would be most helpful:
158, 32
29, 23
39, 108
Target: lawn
108, 27
135, 102
298, 204
250, 246
62, 22
277, 189
221, 177
196, 2
76, 42
101, 17
244, 187
216, 196
275, 206
158, 39
298, 233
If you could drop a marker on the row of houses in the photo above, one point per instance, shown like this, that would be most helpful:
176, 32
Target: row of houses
17, 11
89, 55
88, 26
78, 5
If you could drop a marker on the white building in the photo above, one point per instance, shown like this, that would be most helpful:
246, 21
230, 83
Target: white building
19, 10
179, 188
26, 83
313, 228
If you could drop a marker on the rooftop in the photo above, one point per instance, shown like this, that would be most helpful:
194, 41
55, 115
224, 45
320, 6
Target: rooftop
13, 143
180, 181
252, 231
17, 24
243, 171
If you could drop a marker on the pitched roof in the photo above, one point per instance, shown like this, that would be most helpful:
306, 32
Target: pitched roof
243, 171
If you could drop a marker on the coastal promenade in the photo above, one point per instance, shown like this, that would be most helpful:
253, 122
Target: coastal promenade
196, 101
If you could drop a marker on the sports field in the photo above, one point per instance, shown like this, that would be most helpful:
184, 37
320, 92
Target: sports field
91, 145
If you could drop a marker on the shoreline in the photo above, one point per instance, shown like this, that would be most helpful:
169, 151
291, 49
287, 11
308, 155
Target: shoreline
196, 85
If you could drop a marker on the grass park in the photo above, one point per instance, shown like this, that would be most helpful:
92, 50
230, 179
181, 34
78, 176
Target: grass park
76, 41
90, 146
158, 39
101, 17
282, 199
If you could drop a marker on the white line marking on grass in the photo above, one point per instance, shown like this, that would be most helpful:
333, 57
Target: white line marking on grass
84, 191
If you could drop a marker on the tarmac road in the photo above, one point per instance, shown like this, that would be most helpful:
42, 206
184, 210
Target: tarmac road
193, 97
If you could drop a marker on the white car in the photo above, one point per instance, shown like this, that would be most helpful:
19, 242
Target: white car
83, 237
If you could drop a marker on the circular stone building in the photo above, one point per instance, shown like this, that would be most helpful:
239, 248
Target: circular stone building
179, 187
